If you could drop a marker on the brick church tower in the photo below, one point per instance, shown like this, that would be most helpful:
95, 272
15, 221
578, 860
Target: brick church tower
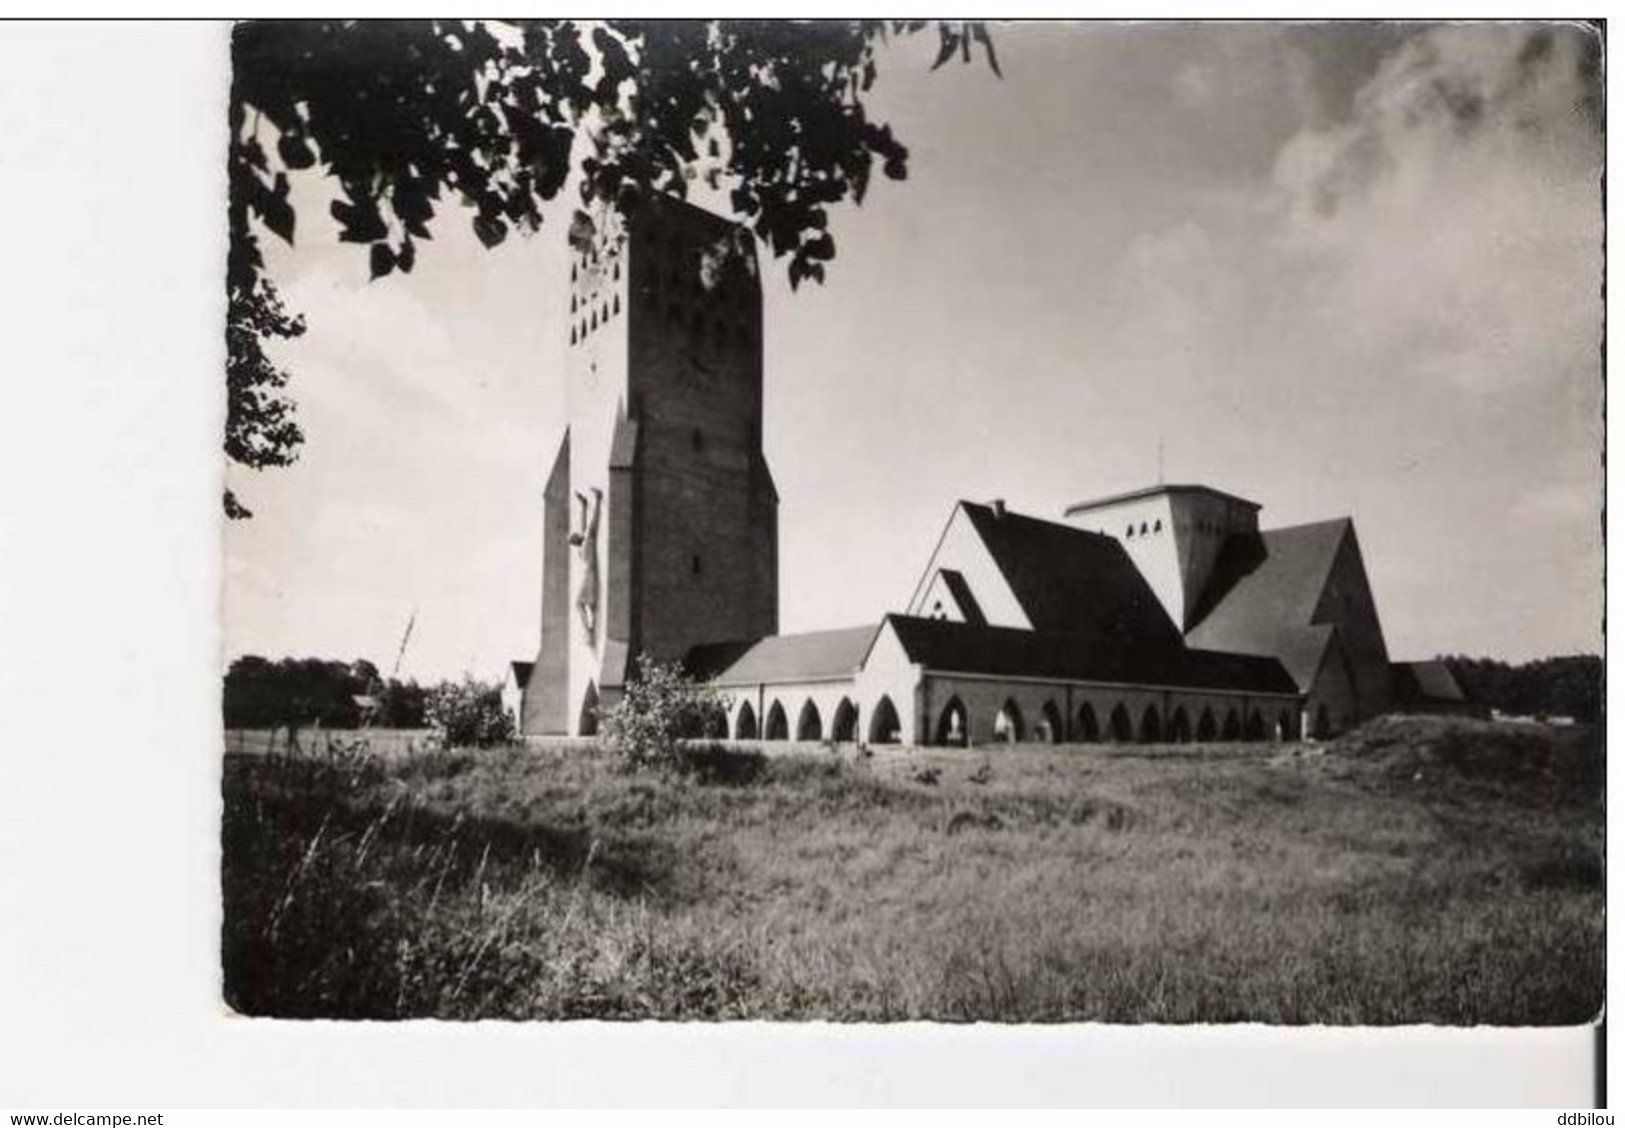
660, 518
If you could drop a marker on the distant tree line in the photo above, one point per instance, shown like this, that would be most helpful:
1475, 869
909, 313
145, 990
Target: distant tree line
1570, 686
260, 693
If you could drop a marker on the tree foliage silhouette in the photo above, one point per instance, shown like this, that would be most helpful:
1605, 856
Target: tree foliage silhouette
405, 117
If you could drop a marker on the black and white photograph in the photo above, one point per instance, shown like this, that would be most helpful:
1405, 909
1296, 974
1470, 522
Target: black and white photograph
880, 521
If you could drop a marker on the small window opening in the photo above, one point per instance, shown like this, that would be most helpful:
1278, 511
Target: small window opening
1157, 528
1130, 531
1142, 528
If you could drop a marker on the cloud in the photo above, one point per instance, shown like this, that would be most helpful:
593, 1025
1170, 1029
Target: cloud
1457, 210
1564, 504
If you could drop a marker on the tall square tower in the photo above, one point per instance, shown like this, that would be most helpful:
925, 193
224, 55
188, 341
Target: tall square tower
660, 518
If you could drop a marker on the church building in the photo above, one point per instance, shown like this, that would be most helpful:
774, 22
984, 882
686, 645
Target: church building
1163, 614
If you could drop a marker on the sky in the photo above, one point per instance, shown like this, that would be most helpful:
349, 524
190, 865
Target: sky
1338, 270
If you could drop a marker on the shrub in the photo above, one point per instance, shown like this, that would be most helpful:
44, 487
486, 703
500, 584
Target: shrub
469, 714
660, 708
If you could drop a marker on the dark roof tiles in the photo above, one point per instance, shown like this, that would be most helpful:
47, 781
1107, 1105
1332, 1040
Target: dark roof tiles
780, 658
1426, 681
963, 596
1263, 595
1008, 652
1071, 580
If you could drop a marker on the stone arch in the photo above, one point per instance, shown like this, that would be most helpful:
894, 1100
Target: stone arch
1009, 725
1121, 729
884, 727
1255, 726
1206, 727
1179, 726
1088, 726
1286, 726
745, 723
953, 723
587, 722
776, 727
1051, 726
1323, 724
809, 725
1150, 726
844, 725
1232, 727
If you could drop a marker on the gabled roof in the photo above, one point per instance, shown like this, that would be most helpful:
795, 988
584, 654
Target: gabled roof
782, 658
938, 644
959, 588
1263, 594
1073, 581
1426, 681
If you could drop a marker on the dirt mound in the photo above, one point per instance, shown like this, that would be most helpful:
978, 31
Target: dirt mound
1523, 761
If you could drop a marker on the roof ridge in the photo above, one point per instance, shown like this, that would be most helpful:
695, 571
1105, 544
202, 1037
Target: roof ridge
1012, 514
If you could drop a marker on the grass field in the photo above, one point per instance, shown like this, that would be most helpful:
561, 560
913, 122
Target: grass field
1416, 871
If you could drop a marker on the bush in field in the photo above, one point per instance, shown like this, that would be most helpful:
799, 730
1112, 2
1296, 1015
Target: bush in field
660, 708
468, 714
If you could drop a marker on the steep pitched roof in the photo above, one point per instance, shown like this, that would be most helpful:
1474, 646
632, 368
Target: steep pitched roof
781, 658
959, 588
1070, 580
1426, 681
941, 645
1263, 595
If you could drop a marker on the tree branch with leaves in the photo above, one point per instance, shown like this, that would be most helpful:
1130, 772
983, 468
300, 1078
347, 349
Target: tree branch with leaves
406, 117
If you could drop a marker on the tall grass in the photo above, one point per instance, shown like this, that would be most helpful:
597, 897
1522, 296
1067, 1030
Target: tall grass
1184, 884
